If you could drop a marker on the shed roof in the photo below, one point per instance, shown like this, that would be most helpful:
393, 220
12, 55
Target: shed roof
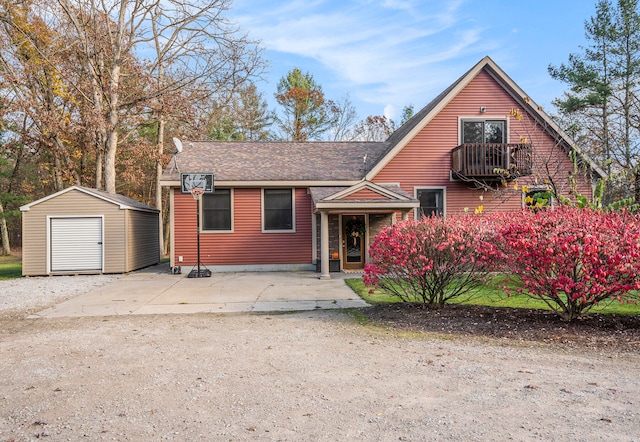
122, 201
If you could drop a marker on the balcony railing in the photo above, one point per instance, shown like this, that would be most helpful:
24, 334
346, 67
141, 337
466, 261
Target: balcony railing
492, 161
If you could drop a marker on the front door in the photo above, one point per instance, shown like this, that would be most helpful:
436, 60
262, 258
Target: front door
353, 241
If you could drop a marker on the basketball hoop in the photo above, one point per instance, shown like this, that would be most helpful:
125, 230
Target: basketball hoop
199, 272
196, 192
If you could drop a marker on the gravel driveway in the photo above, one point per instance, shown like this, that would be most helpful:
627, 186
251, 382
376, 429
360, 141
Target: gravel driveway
295, 377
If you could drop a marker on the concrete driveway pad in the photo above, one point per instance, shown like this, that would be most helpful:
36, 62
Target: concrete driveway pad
156, 291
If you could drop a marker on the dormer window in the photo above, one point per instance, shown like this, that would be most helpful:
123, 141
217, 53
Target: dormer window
484, 132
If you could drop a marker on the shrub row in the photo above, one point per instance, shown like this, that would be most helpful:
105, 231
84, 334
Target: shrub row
570, 258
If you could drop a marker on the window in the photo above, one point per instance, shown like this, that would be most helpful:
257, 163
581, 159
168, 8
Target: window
216, 210
278, 209
483, 132
537, 199
431, 202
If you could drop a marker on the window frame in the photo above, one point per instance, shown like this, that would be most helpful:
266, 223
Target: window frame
484, 120
231, 213
532, 191
293, 210
443, 190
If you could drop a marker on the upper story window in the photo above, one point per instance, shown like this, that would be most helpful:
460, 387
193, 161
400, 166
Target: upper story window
216, 210
484, 131
278, 210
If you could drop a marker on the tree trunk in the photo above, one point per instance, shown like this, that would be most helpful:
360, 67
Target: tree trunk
4, 233
63, 164
57, 172
637, 186
110, 161
166, 217
158, 189
99, 168
112, 133
113, 119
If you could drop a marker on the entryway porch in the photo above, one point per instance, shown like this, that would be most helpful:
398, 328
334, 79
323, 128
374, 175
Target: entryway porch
348, 218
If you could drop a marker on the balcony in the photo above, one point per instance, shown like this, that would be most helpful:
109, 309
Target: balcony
492, 161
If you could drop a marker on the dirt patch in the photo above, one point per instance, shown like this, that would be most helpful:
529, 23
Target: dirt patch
614, 333
308, 376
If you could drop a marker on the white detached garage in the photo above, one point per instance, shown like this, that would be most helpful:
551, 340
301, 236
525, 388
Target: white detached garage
82, 230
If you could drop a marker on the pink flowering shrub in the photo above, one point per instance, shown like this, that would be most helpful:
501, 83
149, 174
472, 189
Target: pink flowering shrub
570, 258
430, 261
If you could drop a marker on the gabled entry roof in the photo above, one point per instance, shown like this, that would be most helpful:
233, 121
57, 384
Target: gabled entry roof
363, 195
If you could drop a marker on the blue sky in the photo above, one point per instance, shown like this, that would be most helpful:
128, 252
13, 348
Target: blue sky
389, 53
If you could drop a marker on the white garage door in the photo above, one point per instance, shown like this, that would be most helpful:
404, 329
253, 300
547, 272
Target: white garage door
76, 244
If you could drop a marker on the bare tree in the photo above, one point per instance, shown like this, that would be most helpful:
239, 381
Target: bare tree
373, 128
344, 118
104, 55
196, 49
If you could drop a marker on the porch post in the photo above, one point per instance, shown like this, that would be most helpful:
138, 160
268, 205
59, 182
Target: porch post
324, 245
405, 215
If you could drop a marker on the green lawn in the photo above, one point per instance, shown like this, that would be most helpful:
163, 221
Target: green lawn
491, 295
10, 267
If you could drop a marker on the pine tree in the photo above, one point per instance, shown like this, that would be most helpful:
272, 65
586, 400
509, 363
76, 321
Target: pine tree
306, 112
603, 82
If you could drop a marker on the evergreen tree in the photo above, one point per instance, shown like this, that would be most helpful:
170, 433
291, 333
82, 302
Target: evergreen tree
603, 82
306, 114
253, 115
245, 117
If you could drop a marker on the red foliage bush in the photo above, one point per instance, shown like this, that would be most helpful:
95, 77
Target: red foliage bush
570, 258
431, 261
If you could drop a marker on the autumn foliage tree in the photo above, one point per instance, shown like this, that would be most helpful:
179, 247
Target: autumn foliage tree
88, 87
572, 259
306, 113
430, 262
39, 102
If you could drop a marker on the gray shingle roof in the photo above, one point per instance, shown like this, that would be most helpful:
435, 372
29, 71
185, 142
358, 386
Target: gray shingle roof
320, 193
113, 198
285, 161
314, 161
118, 199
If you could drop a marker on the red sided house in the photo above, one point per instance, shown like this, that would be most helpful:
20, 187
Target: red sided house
318, 205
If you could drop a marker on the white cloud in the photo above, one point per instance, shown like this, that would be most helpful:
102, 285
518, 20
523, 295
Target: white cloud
381, 53
396, 52
390, 111
398, 4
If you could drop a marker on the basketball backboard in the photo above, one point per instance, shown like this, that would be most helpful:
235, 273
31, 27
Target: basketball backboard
189, 181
